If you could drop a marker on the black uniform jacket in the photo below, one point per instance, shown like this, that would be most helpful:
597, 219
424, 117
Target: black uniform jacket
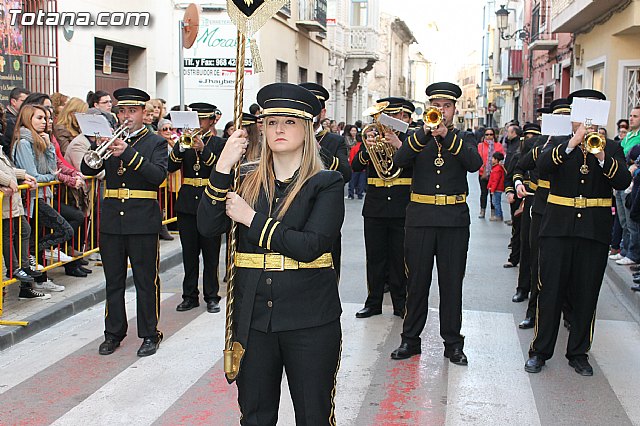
518, 173
592, 223
334, 153
189, 196
528, 163
145, 161
299, 298
382, 201
460, 154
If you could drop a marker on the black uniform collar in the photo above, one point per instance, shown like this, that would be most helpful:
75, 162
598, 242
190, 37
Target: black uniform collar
138, 134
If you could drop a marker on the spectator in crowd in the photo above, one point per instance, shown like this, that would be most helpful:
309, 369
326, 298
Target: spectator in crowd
166, 130
350, 133
341, 126
158, 112
512, 138
358, 181
486, 148
58, 101
622, 124
16, 98
603, 131
333, 127
37, 98
16, 230
358, 125
622, 133
326, 124
147, 120
630, 249
33, 151
229, 128
252, 125
496, 184
102, 100
66, 127
217, 116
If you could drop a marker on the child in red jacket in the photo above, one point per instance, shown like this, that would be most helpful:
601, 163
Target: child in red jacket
496, 184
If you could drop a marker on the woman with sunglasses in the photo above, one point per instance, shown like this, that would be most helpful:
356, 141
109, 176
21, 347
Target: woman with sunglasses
487, 147
289, 213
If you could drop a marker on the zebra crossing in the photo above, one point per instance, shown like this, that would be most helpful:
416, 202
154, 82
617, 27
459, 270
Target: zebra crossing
57, 376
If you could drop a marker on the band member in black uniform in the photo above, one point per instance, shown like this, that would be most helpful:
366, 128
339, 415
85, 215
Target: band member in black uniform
289, 213
437, 223
528, 163
130, 221
333, 152
574, 239
196, 162
384, 211
522, 187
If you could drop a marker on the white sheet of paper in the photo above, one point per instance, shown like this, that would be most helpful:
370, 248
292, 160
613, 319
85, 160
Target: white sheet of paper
185, 119
92, 125
394, 123
556, 125
595, 110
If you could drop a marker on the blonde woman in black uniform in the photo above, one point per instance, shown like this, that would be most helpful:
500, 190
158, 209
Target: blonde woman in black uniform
287, 309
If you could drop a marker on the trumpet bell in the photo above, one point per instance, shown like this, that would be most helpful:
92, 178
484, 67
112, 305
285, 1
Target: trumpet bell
93, 159
432, 117
594, 143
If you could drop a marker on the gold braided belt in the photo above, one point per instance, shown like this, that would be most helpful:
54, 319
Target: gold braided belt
279, 262
579, 202
195, 181
126, 193
439, 199
544, 183
378, 183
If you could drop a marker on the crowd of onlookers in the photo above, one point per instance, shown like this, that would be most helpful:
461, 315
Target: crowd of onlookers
42, 144
497, 146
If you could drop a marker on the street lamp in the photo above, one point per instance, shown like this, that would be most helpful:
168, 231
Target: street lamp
502, 18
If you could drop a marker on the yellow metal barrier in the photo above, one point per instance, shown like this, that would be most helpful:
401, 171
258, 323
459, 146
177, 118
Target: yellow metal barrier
87, 236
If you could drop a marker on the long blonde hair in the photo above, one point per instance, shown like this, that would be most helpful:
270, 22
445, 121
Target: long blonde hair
24, 119
255, 142
263, 176
67, 117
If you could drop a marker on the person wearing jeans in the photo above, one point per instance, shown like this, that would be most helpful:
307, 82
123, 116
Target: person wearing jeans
486, 148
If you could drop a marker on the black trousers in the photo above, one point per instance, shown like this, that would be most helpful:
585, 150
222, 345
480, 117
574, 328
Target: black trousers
192, 244
384, 245
310, 358
484, 193
514, 255
524, 273
576, 265
143, 252
534, 243
336, 254
449, 247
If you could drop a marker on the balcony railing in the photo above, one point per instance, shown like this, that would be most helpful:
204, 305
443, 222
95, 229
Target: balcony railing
313, 15
363, 42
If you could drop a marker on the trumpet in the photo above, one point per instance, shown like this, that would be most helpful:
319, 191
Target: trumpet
95, 158
187, 137
593, 142
432, 117
381, 152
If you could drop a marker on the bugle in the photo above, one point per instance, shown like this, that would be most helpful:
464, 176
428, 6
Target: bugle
95, 158
381, 152
593, 142
432, 117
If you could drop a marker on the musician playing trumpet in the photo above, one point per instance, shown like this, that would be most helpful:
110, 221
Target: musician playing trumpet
437, 223
384, 214
130, 221
196, 164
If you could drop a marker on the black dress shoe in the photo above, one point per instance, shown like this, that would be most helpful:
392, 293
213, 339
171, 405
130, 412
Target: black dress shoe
635, 268
636, 280
150, 345
83, 261
581, 365
534, 364
456, 356
108, 346
76, 273
213, 307
85, 270
635, 287
187, 305
508, 264
368, 312
527, 323
405, 351
520, 296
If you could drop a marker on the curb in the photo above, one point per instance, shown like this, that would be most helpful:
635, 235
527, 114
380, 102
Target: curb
620, 280
44, 319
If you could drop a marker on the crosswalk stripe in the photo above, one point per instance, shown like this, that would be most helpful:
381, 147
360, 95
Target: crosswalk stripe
154, 383
493, 388
616, 346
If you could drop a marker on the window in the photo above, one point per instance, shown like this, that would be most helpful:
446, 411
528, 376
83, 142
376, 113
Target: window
549, 95
282, 72
631, 89
319, 78
359, 13
597, 78
302, 75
